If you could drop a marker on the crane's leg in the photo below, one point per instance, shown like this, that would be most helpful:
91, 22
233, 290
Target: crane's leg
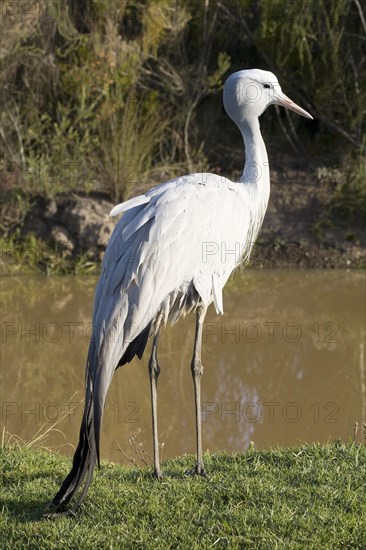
154, 371
197, 370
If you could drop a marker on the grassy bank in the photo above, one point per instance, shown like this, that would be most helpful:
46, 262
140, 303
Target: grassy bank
312, 496
29, 255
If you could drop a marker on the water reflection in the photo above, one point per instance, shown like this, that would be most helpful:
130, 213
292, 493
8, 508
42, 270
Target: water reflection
285, 364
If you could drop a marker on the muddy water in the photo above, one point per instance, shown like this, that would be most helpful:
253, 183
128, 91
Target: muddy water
285, 364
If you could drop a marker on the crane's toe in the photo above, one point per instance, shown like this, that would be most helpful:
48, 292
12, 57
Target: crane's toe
198, 470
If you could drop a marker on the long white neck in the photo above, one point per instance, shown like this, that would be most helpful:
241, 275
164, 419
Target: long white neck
256, 168
255, 179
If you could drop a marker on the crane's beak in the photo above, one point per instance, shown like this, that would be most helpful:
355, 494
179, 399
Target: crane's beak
289, 104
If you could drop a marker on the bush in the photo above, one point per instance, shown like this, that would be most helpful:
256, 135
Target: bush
114, 96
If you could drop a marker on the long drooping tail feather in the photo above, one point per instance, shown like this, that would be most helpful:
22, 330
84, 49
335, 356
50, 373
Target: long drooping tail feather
83, 464
87, 452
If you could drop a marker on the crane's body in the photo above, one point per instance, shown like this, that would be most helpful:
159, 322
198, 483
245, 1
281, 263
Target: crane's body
171, 252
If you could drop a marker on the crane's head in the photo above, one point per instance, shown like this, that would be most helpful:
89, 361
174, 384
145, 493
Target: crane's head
248, 93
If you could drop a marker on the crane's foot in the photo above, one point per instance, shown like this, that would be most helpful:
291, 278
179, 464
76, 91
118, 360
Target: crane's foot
157, 474
197, 470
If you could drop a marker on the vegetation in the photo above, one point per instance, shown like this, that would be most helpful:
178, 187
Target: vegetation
30, 254
114, 94
284, 498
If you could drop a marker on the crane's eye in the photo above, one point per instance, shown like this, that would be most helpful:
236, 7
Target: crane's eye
266, 85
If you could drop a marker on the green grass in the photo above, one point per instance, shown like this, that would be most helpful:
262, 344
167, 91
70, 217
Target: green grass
309, 497
29, 254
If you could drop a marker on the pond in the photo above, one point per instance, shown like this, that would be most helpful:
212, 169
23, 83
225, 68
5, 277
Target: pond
284, 365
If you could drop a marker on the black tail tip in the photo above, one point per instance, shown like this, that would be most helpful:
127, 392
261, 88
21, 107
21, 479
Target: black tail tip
53, 511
